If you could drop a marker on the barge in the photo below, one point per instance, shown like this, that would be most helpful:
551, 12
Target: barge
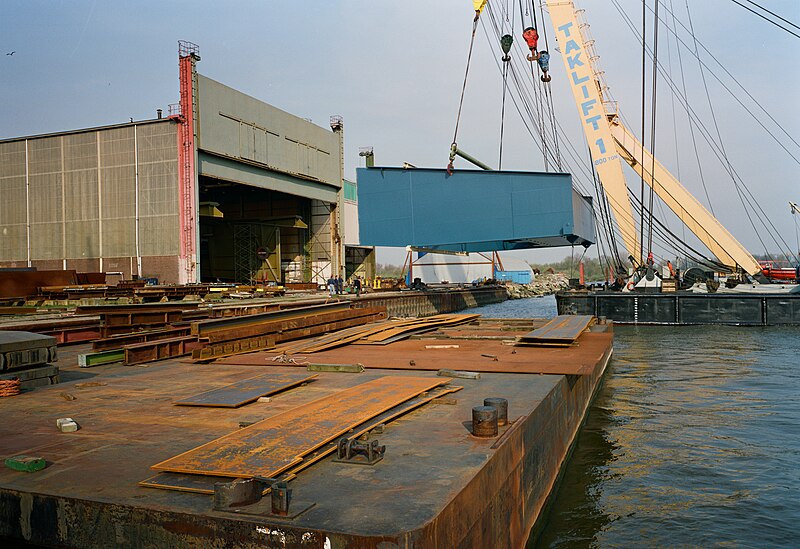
118, 480
681, 308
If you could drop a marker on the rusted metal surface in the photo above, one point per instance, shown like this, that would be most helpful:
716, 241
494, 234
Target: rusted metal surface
431, 303
204, 484
206, 327
379, 333
484, 421
412, 355
17, 310
245, 391
501, 405
282, 331
241, 310
170, 291
78, 292
141, 317
406, 326
135, 308
78, 334
271, 446
562, 330
127, 329
180, 482
160, 349
437, 487
119, 341
295, 320
25, 283
373, 315
30, 323
335, 339
204, 352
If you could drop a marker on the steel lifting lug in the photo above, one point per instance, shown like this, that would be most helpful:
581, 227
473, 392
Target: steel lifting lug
351, 450
281, 497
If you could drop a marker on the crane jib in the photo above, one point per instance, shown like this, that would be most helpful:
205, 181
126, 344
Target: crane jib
590, 104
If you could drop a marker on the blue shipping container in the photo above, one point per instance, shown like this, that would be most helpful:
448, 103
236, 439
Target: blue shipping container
519, 277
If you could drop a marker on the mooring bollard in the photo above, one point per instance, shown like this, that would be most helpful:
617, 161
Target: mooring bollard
501, 404
484, 421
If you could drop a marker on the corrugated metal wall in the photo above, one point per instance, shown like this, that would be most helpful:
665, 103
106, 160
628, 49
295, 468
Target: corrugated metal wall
118, 202
13, 209
46, 197
80, 198
158, 190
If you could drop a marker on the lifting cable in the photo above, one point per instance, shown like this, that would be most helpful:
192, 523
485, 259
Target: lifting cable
727, 164
644, 108
506, 41
530, 102
715, 147
691, 125
605, 232
544, 56
768, 19
653, 133
605, 214
526, 110
463, 90
671, 239
796, 228
530, 34
524, 107
747, 107
705, 133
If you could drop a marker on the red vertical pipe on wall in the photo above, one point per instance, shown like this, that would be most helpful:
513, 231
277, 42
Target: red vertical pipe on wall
186, 171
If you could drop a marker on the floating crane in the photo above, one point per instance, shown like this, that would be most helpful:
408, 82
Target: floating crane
611, 143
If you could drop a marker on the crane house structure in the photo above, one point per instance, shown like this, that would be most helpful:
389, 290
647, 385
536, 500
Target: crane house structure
223, 188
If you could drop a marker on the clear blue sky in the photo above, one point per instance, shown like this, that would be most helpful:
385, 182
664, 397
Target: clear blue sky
394, 70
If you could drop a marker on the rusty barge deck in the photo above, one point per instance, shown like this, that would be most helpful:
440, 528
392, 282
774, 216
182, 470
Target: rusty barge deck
436, 486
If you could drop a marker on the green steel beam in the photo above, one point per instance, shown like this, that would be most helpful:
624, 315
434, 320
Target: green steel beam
90, 360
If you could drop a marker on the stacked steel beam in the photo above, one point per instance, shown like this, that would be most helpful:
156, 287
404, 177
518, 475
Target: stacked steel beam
226, 336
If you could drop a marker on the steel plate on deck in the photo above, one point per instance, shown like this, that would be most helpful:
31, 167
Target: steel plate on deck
579, 359
248, 390
563, 329
269, 447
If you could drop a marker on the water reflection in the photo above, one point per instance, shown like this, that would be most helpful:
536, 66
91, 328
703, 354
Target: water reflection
693, 440
579, 514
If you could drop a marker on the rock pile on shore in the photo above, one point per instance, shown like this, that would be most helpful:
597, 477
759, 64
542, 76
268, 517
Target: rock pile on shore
545, 284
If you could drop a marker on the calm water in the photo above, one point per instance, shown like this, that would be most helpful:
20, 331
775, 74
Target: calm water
693, 441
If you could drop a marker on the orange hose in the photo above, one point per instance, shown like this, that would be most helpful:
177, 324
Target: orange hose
10, 387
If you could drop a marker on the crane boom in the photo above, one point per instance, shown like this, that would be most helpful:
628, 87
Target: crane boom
611, 142
595, 124
689, 210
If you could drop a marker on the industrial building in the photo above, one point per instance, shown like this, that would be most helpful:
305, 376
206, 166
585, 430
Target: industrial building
223, 188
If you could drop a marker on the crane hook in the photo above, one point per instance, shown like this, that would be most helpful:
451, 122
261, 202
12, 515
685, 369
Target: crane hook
544, 64
531, 37
506, 41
